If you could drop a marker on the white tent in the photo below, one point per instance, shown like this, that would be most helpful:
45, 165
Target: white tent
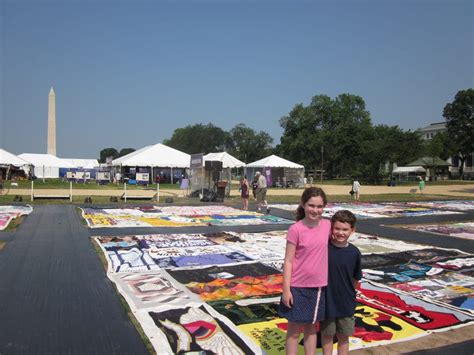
83, 163
274, 161
158, 155
11, 164
409, 169
278, 171
228, 161
408, 172
7, 158
154, 157
46, 165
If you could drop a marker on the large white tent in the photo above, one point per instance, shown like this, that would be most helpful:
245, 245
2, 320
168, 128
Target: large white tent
158, 155
202, 178
155, 157
278, 171
11, 164
7, 158
274, 161
46, 165
228, 161
408, 172
83, 163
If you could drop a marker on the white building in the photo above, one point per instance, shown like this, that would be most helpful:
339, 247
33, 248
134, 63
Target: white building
430, 131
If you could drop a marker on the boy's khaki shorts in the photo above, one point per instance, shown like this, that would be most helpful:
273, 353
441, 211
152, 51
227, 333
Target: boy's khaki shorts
343, 326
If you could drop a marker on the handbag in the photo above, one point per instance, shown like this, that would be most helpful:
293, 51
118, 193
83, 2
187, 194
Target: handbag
352, 192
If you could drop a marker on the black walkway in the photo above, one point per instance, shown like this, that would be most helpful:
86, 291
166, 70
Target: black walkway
54, 295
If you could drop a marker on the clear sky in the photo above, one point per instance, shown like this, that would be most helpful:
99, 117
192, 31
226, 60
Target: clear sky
128, 73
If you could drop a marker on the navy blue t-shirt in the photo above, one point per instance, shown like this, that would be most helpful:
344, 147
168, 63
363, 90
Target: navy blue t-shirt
344, 266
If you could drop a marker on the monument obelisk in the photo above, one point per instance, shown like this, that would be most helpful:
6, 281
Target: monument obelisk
52, 123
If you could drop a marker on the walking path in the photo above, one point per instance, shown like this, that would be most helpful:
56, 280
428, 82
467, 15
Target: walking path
54, 295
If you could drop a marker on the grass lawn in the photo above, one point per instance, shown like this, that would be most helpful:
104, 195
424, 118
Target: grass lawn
60, 184
14, 223
234, 200
91, 185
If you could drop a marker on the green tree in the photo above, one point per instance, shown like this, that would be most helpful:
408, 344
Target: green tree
248, 145
125, 151
107, 152
387, 144
199, 138
341, 126
440, 146
459, 116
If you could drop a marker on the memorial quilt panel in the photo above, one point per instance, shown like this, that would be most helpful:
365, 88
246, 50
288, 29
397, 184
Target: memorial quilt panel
153, 290
460, 230
420, 313
195, 329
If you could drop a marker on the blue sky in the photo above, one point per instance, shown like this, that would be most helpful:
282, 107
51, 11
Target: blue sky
128, 73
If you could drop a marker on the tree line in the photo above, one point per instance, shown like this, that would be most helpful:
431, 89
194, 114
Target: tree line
334, 135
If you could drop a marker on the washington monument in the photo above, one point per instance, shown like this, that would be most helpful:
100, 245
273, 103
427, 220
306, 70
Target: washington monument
52, 123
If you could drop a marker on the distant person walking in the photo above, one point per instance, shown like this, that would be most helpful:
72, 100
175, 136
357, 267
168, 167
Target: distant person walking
244, 192
356, 189
261, 192
421, 184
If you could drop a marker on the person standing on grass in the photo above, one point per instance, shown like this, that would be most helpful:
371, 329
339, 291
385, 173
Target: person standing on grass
244, 192
305, 271
261, 192
344, 274
356, 189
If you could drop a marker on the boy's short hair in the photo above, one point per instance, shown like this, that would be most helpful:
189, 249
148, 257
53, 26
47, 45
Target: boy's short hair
344, 216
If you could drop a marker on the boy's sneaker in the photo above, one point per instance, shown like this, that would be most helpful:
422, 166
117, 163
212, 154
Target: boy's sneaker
259, 209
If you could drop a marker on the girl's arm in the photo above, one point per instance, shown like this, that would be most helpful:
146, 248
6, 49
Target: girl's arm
287, 298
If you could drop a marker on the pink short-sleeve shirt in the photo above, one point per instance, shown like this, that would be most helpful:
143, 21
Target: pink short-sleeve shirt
310, 264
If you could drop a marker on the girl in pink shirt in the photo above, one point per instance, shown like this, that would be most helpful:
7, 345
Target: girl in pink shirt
305, 271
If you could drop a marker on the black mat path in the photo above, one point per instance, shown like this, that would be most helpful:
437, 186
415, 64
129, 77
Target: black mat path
54, 295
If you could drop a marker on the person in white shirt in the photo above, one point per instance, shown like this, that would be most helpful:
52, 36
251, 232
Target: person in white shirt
261, 192
356, 189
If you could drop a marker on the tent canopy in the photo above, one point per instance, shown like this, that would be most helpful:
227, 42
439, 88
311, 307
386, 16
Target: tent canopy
7, 158
46, 160
409, 169
274, 161
83, 163
158, 155
429, 162
228, 161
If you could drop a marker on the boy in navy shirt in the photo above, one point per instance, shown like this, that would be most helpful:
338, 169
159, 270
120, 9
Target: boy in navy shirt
344, 274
